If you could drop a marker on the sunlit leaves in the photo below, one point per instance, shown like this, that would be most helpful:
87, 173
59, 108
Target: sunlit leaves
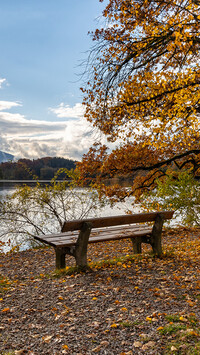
144, 87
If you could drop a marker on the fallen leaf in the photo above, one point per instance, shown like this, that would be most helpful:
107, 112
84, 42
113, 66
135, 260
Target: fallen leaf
65, 347
97, 349
104, 343
149, 319
47, 338
137, 344
92, 335
182, 319
148, 345
114, 325
173, 348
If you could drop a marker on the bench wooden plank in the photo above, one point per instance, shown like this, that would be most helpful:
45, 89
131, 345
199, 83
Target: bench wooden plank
66, 239
116, 220
100, 237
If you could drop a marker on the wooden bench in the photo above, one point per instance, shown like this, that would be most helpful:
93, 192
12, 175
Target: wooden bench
77, 234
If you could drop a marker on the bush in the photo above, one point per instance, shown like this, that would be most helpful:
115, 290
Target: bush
178, 191
37, 210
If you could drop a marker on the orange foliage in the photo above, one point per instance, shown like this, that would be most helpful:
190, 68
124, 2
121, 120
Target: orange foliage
145, 88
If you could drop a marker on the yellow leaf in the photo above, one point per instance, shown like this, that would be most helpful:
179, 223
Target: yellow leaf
65, 347
124, 309
149, 319
114, 325
159, 328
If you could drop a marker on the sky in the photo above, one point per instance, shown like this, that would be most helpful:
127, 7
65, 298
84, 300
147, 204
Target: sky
43, 46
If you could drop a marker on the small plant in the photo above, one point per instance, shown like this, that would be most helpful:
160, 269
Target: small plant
173, 317
172, 328
184, 330
179, 191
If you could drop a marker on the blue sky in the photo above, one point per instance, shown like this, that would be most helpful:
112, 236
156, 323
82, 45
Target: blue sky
43, 43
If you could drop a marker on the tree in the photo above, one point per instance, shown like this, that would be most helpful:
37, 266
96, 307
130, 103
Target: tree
143, 89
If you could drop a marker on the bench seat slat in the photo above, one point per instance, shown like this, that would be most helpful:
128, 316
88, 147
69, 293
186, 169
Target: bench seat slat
95, 231
97, 236
101, 238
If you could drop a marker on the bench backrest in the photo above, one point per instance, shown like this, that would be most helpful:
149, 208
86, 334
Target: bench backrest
115, 220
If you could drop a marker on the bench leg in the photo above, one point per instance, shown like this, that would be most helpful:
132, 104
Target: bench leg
137, 245
60, 258
156, 235
81, 246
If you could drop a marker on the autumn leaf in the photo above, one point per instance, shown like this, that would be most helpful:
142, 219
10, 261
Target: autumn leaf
143, 92
47, 338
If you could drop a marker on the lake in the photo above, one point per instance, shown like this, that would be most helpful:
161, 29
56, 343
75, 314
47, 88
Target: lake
8, 187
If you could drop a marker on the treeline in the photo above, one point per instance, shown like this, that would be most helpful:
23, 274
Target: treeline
25, 169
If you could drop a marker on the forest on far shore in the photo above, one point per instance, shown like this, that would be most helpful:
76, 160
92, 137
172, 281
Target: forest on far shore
26, 169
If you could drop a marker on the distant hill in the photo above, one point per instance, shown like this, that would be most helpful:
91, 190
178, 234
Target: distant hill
25, 169
5, 157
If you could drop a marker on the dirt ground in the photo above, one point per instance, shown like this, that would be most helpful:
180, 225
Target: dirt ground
127, 305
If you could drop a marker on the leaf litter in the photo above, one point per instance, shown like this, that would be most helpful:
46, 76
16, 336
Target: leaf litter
130, 305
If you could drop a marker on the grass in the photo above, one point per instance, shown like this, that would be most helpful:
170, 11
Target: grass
123, 261
185, 334
172, 328
127, 324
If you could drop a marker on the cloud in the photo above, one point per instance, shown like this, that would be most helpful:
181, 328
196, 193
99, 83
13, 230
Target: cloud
6, 105
2, 81
65, 111
32, 139
15, 124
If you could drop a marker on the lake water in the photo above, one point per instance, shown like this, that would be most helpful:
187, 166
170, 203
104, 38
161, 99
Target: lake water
7, 188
